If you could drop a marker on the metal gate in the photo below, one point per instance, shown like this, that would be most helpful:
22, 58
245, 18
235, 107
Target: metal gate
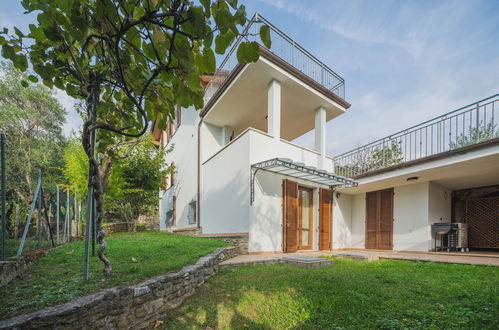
482, 217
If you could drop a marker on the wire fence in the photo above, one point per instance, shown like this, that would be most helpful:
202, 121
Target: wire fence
285, 48
469, 125
45, 224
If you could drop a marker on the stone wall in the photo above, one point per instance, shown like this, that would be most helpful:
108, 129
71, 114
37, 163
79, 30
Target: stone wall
239, 241
12, 267
127, 307
149, 221
194, 231
118, 227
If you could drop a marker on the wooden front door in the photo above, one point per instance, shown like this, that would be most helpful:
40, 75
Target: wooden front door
305, 208
379, 219
324, 219
290, 216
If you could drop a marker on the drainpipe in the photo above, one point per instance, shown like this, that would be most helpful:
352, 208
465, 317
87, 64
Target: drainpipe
198, 204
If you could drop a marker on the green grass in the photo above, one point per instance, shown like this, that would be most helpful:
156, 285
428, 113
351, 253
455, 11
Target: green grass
57, 277
29, 245
349, 294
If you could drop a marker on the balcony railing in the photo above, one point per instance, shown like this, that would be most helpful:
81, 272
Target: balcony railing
284, 47
472, 124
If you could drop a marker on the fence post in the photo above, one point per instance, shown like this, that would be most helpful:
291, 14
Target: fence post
66, 221
3, 197
28, 221
57, 211
39, 220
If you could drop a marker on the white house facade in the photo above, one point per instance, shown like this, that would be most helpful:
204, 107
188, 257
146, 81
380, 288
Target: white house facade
237, 171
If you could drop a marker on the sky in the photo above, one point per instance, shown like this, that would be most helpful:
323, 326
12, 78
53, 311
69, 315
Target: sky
403, 61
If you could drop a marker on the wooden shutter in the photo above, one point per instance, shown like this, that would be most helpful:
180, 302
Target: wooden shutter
324, 219
290, 219
379, 219
371, 215
385, 219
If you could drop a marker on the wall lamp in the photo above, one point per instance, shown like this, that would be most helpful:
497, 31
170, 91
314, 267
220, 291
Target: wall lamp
412, 178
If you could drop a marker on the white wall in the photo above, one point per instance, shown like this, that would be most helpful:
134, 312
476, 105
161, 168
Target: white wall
342, 221
266, 218
358, 221
410, 212
184, 155
225, 189
439, 208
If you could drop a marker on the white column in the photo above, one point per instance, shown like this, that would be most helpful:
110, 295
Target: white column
320, 135
274, 109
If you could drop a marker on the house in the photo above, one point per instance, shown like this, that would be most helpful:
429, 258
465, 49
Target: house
238, 173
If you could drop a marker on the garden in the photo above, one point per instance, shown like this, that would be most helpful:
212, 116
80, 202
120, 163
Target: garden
385, 294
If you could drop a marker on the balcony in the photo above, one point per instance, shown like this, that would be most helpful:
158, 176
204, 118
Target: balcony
464, 128
286, 49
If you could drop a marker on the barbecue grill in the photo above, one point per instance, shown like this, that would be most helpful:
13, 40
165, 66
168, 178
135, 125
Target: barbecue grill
450, 236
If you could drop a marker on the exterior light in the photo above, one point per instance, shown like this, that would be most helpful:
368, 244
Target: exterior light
412, 178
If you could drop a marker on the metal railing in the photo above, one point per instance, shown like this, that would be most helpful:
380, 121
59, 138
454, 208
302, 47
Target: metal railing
469, 125
285, 48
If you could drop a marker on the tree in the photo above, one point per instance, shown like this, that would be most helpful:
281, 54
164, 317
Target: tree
31, 118
475, 135
134, 178
131, 61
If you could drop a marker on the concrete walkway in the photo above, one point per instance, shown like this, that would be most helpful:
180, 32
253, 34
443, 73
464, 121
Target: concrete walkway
473, 258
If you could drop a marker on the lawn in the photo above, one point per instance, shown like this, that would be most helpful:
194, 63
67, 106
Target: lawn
57, 277
349, 294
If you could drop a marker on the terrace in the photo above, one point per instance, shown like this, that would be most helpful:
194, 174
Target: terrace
286, 49
457, 131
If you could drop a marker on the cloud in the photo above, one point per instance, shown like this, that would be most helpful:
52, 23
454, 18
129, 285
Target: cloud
403, 62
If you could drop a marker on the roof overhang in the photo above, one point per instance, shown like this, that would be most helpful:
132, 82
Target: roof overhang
287, 167
242, 100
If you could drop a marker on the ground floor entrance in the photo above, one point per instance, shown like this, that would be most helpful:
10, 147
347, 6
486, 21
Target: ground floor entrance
298, 217
379, 220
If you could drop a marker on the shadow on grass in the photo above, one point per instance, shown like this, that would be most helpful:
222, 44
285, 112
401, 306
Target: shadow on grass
349, 294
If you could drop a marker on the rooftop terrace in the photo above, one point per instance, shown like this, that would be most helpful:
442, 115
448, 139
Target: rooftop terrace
285, 48
455, 131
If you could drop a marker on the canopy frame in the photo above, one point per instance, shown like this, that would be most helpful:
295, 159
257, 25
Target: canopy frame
299, 171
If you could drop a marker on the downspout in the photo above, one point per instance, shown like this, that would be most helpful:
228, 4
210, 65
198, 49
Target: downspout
198, 204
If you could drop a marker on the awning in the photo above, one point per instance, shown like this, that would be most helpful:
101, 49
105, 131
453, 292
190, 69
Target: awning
300, 171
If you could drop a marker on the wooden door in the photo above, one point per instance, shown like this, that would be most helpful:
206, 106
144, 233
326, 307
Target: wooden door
305, 213
379, 219
324, 219
290, 216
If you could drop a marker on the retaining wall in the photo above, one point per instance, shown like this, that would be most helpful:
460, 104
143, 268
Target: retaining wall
127, 307
12, 267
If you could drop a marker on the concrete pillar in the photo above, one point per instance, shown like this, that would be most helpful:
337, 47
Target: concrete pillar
274, 109
320, 135
226, 132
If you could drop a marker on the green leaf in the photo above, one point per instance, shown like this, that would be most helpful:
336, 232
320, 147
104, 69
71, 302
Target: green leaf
2, 41
18, 32
222, 41
158, 36
265, 35
24, 83
8, 52
33, 78
209, 60
138, 12
232, 3
248, 52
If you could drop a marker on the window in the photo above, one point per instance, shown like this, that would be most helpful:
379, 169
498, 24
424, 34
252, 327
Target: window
191, 212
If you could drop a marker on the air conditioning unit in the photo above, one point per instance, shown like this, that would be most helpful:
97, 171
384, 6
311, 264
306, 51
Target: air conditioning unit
458, 236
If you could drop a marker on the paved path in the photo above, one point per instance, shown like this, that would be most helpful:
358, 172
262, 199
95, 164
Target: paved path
457, 258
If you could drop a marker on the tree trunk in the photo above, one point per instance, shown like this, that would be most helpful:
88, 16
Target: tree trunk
95, 181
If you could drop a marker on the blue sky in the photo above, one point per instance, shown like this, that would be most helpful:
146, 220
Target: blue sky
403, 61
